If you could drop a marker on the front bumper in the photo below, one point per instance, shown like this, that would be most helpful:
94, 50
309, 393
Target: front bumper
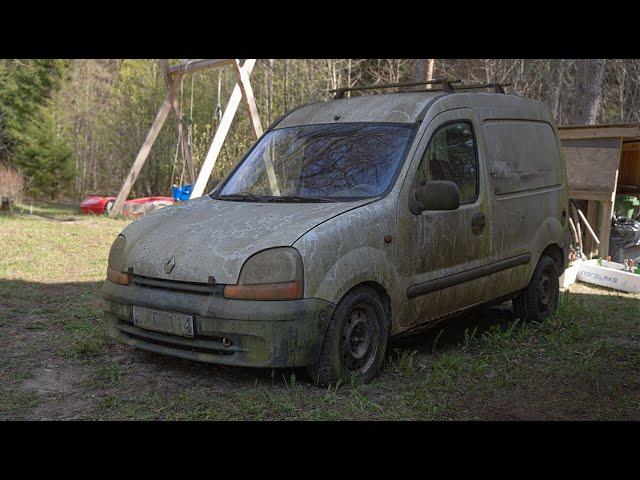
263, 333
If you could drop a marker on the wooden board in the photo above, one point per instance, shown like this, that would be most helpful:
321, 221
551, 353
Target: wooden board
599, 131
592, 165
198, 65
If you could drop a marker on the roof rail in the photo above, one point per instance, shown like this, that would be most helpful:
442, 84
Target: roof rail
446, 87
497, 87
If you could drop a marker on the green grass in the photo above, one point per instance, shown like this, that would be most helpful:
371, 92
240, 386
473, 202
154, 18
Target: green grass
580, 364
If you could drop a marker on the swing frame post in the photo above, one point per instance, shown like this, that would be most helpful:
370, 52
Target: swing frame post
173, 78
143, 153
241, 89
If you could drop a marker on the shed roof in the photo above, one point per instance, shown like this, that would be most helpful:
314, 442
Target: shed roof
626, 131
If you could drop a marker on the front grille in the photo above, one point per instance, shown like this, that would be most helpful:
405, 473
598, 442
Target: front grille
211, 345
177, 286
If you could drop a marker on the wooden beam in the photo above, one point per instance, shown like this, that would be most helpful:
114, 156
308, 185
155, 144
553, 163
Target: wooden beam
605, 229
143, 153
591, 218
592, 131
247, 93
221, 133
198, 65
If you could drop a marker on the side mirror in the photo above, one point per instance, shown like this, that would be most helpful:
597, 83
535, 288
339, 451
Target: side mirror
436, 195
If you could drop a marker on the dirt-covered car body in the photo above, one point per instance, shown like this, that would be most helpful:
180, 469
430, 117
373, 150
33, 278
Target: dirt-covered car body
504, 154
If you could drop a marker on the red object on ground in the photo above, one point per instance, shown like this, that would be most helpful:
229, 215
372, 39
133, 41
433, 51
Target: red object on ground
96, 204
99, 205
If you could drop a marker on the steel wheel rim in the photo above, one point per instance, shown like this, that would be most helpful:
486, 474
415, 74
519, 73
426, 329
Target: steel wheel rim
545, 292
359, 339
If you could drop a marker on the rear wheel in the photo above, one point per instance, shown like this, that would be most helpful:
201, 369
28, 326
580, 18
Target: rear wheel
108, 207
540, 299
355, 342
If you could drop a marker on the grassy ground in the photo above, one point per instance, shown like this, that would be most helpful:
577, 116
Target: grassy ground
57, 363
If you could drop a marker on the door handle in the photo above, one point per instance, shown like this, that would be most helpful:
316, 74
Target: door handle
478, 222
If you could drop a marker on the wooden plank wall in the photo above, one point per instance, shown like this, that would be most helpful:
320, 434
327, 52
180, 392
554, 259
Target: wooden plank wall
629, 175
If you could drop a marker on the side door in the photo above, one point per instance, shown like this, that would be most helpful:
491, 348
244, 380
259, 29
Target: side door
441, 253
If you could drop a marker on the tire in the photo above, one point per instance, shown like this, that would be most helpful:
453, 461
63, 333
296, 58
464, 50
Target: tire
108, 207
356, 340
540, 299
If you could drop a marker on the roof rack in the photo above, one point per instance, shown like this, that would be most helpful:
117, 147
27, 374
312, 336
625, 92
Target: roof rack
446, 86
497, 87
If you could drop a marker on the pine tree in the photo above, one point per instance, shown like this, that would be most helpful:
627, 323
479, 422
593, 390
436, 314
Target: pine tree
45, 157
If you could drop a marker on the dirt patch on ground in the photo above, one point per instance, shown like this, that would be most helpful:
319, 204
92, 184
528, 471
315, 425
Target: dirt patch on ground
58, 387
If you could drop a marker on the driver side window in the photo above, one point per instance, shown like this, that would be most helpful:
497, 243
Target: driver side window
451, 155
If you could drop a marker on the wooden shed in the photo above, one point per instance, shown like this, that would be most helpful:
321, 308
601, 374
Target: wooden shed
602, 161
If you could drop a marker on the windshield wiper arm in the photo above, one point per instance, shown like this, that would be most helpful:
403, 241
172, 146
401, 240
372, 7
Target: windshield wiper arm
243, 196
298, 198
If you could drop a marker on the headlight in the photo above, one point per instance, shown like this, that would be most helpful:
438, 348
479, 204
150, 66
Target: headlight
115, 270
274, 274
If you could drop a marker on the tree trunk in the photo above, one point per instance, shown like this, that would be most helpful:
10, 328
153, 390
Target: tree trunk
431, 63
587, 91
558, 92
419, 70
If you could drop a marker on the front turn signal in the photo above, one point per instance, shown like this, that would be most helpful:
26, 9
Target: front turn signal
115, 276
270, 291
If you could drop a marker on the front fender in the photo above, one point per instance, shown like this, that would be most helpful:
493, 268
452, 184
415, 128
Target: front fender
364, 264
348, 250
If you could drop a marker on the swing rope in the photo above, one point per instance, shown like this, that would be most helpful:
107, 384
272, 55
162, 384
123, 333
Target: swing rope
190, 129
218, 114
175, 157
181, 120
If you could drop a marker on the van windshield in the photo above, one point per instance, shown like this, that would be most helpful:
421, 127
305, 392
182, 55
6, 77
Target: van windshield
320, 163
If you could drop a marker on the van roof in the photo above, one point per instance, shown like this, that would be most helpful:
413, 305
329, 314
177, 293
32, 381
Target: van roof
403, 107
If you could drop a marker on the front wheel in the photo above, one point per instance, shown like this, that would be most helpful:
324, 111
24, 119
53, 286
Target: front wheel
355, 342
540, 298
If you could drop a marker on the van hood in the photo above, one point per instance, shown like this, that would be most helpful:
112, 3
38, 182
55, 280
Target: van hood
207, 237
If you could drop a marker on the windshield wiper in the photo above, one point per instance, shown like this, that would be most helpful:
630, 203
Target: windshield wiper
243, 196
298, 198
249, 196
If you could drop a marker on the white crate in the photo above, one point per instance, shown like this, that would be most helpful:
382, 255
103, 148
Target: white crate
569, 275
609, 274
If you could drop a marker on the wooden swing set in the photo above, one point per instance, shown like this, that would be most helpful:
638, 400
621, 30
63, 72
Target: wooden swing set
173, 78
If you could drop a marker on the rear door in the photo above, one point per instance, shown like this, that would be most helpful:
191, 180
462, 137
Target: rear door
441, 253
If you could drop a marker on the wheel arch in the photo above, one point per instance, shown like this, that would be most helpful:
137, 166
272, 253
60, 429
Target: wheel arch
382, 293
557, 254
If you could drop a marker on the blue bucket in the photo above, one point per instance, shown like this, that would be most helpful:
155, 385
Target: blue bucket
181, 194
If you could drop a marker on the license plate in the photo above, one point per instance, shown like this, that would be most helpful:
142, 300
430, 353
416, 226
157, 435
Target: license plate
161, 321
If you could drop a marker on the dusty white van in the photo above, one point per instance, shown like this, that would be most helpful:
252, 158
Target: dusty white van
348, 222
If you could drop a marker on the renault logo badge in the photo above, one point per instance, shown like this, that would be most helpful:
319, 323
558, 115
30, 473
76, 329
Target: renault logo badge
169, 264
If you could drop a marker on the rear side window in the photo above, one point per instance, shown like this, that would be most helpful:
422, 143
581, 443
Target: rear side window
522, 155
451, 155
